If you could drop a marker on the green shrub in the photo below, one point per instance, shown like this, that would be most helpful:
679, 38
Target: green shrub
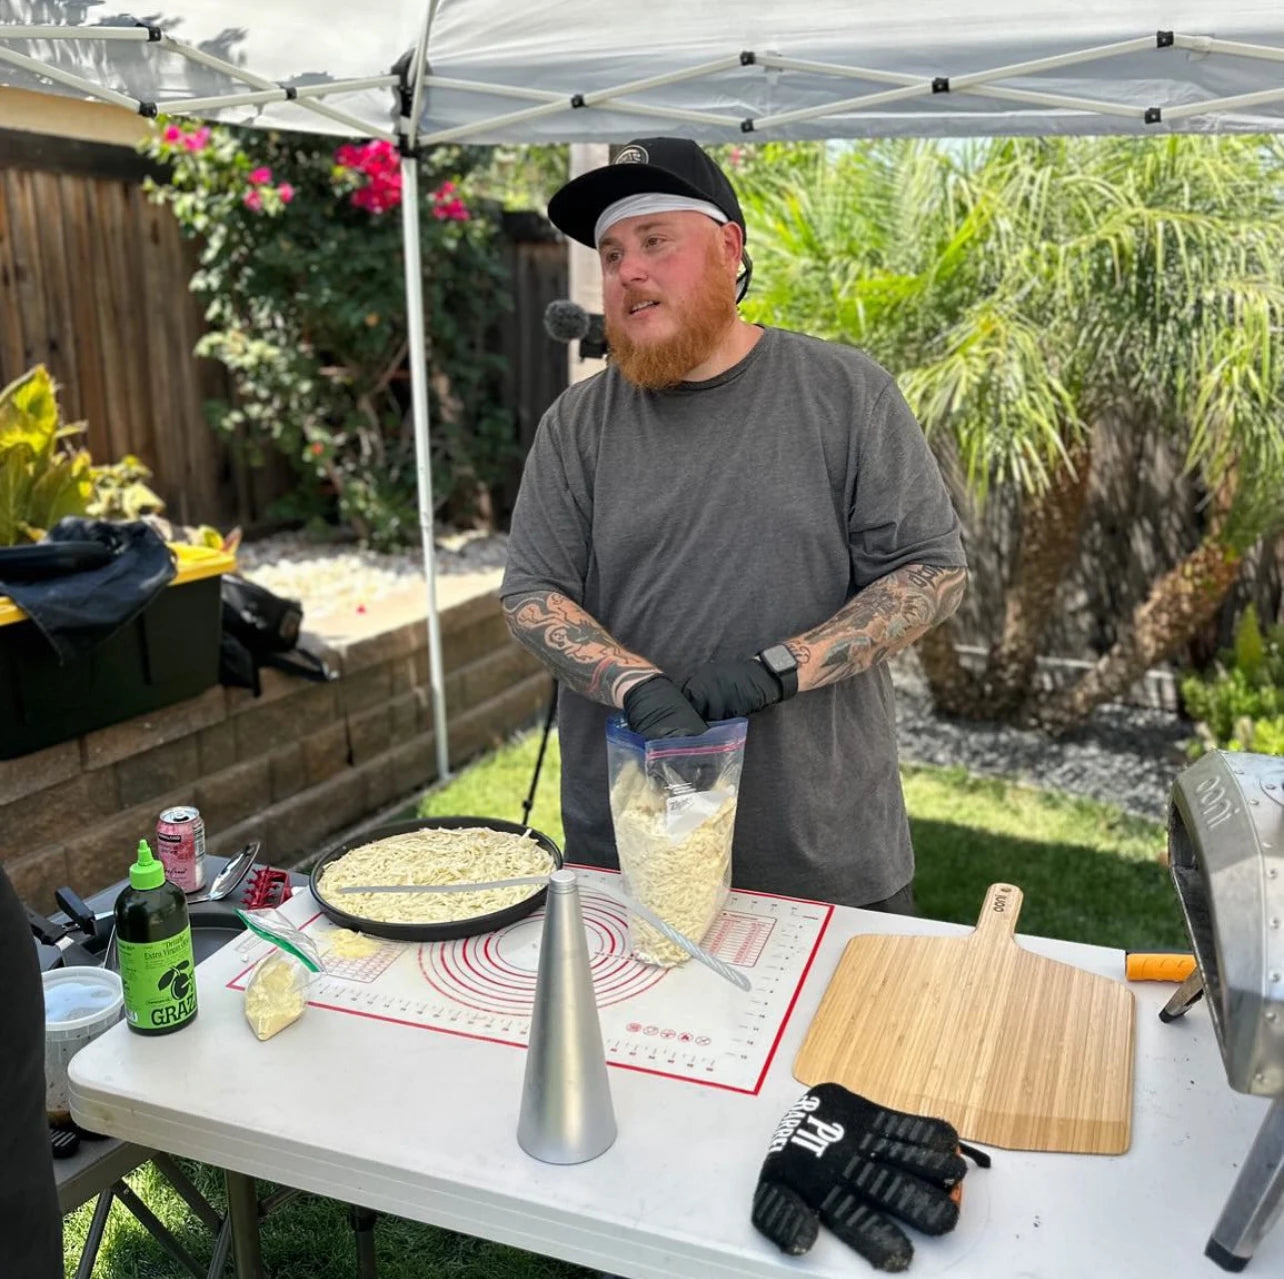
44, 476
1240, 706
301, 270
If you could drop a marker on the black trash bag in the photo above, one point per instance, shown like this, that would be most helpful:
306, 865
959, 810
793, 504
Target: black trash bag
261, 628
78, 611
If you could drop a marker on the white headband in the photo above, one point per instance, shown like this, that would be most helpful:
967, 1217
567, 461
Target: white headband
633, 206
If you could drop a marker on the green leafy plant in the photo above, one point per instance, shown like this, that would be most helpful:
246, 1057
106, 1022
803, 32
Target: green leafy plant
121, 491
44, 477
1240, 705
301, 270
1032, 294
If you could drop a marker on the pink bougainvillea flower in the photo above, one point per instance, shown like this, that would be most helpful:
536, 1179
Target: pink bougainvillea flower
379, 163
172, 133
446, 189
253, 200
261, 176
197, 140
286, 192
381, 193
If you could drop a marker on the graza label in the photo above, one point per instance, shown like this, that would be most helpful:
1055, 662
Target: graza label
160, 981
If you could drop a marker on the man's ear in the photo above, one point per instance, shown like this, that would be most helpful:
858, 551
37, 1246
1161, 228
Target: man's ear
733, 245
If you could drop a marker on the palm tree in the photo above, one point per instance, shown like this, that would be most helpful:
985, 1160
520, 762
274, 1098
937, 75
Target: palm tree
1033, 294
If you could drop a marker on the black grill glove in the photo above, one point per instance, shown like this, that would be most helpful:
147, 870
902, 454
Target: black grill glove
656, 708
723, 690
839, 1159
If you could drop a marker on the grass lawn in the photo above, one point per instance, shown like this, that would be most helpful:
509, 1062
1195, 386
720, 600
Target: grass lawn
1089, 873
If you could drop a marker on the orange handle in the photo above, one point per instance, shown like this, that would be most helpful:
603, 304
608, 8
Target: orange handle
1149, 965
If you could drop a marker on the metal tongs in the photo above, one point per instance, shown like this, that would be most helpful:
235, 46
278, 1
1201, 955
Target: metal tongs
712, 962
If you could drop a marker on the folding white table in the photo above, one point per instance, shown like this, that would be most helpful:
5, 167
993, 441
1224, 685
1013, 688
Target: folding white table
421, 1124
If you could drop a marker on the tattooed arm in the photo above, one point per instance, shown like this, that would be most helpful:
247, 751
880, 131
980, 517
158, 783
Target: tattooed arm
580, 651
887, 616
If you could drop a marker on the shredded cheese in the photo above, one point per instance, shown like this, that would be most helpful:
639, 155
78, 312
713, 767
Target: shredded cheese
684, 878
436, 856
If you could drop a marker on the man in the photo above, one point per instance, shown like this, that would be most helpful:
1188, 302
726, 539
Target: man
30, 1224
730, 520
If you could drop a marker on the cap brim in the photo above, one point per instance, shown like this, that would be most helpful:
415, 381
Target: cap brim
575, 209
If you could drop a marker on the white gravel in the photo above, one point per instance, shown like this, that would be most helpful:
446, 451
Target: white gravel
1123, 755
329, 577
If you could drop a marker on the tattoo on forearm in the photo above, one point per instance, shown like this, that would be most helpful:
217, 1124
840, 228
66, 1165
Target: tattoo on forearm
887, 616
580, 651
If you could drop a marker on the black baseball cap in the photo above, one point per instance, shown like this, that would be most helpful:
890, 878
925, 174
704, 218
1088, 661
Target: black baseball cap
668, 166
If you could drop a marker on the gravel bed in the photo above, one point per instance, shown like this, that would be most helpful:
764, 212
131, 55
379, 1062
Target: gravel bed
329, 577
1123, 755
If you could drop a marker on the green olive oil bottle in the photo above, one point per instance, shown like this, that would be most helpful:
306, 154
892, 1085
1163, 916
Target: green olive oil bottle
154, 941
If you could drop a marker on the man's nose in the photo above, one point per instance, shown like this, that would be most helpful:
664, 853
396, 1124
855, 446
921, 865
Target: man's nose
631, 268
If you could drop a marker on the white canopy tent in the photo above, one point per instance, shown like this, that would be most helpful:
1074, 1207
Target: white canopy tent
422, 72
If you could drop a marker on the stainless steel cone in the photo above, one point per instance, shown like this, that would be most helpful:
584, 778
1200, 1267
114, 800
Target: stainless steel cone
566, 1116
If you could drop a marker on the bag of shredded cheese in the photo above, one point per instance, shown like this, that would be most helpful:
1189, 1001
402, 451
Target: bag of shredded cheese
673, 805
277, 994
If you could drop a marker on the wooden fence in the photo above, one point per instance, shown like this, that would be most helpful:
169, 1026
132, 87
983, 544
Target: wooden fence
94, 284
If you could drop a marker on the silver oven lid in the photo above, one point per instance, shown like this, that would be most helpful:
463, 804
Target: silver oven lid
1226, 853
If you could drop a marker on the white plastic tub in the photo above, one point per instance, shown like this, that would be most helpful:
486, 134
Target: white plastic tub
80, 1003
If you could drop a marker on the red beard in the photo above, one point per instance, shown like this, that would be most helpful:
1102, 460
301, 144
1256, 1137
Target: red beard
703, 322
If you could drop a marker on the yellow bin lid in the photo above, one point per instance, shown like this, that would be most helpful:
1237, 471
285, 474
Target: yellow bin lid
193, 562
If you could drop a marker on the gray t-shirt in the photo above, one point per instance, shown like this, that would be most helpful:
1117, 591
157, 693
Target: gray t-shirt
716, 519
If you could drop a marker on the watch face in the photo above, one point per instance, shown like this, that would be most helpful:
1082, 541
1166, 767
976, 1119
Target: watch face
778, 659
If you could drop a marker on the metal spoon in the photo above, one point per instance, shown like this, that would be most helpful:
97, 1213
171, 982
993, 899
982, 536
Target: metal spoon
230, 876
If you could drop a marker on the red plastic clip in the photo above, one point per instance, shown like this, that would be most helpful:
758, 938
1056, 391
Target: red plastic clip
267, 887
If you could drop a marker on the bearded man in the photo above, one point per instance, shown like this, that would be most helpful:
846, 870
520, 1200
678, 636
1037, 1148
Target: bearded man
731, 519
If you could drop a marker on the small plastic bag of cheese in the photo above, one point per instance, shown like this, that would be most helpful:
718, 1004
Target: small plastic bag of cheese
277, 994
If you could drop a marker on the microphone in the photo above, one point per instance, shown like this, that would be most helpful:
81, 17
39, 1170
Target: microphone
567, 321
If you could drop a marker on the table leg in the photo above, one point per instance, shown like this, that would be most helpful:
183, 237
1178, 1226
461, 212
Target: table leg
363, 1221
1256, 1199
243, 1212
94, 1239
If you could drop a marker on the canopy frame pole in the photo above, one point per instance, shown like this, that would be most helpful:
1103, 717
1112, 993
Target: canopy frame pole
418, 72
977, 83
193, 54
131, 35
72, 81
603, 97
496, 90
281, 93
423, 458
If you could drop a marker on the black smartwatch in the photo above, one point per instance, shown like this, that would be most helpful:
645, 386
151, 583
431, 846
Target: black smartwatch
783, 665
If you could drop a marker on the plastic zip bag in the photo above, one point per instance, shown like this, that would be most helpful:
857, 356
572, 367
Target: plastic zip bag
277, 994
673, 805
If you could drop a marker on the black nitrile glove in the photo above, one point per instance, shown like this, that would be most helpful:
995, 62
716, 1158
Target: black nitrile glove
723, 690
839, 1159
656, 708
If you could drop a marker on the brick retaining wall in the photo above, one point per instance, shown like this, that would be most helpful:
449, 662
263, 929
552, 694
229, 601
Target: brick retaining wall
292, 768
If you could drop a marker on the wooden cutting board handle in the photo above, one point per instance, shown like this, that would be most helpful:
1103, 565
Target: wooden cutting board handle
999, 911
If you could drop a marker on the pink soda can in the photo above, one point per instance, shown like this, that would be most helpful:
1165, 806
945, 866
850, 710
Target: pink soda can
180, 845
